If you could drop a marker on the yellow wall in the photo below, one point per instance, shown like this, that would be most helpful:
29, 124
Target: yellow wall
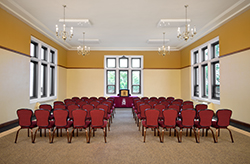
96, 59
234, 36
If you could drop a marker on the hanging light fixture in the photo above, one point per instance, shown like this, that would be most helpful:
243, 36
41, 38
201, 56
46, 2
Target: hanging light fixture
164, 50
64, 34
185, 35
84, 50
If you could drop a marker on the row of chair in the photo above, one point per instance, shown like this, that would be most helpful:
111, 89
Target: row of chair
61, 121
171, 116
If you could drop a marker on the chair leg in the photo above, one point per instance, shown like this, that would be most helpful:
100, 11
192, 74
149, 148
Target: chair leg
67, 135
198, 136
86, 131
177, 134
169, 131
72, 132
216, 135
139, 124
89, 134
17, 134
145, 129
154, 132
104, 133
158, 131
231, 135
53, 135
195, 135
162, 135
35, 135
180, 135
44, 132
28, 132
49, 135
31, 131
212, 134
142, 131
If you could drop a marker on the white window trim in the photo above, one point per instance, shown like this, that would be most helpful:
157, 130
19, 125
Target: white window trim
210, 60
40, 61
117, 74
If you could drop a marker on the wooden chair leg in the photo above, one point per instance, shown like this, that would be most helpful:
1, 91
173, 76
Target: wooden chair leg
67, 135
216, 137
86, 131
89, 134
17, 134
195, 135
49, 135
31, 131
198, 136
53, 135
28, 132
145, 134
142, 131
158, 132
72, 132
104, 133
35, 135
212, 134
177, 134
44, 132
231, 135
180, 135
162, 135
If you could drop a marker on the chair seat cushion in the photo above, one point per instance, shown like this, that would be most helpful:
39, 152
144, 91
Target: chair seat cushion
102, 126
85, 126
33, 124
197, 125
141, 118
179, 124
214, 124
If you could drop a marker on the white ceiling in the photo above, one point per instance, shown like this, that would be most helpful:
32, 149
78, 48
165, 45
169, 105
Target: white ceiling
124, 24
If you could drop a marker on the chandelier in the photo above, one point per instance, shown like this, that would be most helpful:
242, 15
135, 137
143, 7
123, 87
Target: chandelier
164, 50
64, 34
84, 50
185, 35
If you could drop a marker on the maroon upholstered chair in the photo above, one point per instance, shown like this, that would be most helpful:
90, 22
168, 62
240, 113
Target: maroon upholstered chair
81, 103
175, 102
151, 121
58, 103
61, 122
25, 121
66, 100
162, 98
187, 102
69, 102
79, 122
107, 116
166, 103
47, 107
175, 106
160, 107
75, 98
59, 107
88, 107
153, 98
95, 103
199, 107
152, 103
93, 98
70, 108
43, 122
169, 121
84, 98
187, 121
170, 98
187, 106
98, 122
144, 98
180, 100
141, 116
205, 121
223, 121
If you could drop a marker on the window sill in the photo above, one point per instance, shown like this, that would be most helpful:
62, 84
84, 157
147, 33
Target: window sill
43, 99
206, 100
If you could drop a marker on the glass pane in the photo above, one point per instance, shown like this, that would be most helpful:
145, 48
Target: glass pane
43, 80
205, 81
52, 84
43, 53
216, 50
111, 89
135, 77
111, 77
205, 54
33, 50
111, 63
196, 81
52, 56
123, 62
136, 63
136, 89
32, 79
217, 74
123, 79
196, 57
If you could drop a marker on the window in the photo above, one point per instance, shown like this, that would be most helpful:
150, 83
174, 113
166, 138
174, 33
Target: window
42, 71
123, 72
205, 66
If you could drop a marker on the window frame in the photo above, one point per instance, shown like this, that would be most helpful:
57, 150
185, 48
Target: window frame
201, 74
118, 69
50, 77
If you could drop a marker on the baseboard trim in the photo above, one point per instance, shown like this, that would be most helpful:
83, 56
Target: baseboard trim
8, 123
240, 123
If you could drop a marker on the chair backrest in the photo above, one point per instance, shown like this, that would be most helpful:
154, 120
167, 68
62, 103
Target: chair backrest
180, 100
58, 103
144, 98
59, 107
138, 104
88, 107
187, 117
105, 107
95, 103
45, 106
97, 116
152, 103
79, 117
69, 102
108, 103
70, 108
166, 103
84, 98
187, 106
160, 107
60, 116
152, 116
187, 102
24, 117
102, 98
169, 117
65, 100
42, 117
142, 109
175, 106
205, 117
162, 98
223, 117
81, 103
170, 98
199, 107
153, 98
177, 103
93, 98
75, 98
